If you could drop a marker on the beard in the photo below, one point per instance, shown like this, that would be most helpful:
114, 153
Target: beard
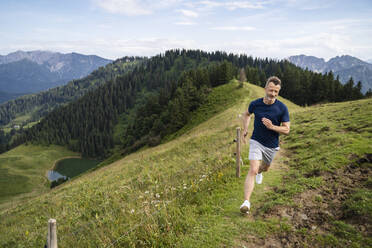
270, 97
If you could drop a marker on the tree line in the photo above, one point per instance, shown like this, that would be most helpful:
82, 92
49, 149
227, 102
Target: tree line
167, 111
158, 97
42, 103
86, 125
303, 87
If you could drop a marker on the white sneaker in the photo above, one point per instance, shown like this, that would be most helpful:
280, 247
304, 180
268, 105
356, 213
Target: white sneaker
259, 178
244, 208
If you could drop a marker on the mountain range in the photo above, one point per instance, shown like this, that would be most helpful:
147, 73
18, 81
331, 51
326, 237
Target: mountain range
32, 107
30, 72
344, 66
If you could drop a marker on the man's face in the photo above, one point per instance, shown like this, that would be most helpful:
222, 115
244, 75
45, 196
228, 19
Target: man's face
272, 91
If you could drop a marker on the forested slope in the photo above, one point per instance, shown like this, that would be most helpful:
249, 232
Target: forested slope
157, 98
38, 105
24, 112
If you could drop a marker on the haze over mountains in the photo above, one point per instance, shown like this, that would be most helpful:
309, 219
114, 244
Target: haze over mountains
29, 72
344, 66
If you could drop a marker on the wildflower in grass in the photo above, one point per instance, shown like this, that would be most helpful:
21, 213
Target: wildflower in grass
157, 195
132, 211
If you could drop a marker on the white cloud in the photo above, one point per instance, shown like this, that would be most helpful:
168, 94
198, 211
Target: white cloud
325, 45
134, 7
233, 28
104, 26
243, 5
151, 46
188, 13
185, 23
232, 5
127, 7
308, 5
211, 4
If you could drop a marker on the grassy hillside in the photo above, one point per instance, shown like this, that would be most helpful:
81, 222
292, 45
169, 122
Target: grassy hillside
326, 196
218, 100
23, 172
184, 193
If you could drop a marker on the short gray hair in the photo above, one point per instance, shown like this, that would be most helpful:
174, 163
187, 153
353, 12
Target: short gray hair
275, 80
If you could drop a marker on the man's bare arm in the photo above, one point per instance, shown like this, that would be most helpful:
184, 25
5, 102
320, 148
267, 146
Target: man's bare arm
246, 120
283, 129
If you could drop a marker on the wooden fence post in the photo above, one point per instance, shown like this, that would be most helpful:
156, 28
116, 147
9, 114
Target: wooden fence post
238, 152
52, 234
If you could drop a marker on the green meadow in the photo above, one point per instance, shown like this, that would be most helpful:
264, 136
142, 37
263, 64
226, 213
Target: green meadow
20, 120
184, 193
23, 172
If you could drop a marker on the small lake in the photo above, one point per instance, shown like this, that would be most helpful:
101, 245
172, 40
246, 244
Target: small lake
54, 175
71, 167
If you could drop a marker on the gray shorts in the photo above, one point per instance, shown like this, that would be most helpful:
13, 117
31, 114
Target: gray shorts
257, 151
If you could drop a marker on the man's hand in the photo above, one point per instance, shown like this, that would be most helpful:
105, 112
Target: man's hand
284, 129
268, 124
244, 137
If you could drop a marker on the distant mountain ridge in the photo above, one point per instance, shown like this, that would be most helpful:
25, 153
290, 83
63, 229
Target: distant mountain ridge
58, 62
35, 106
34, 71
344, 66
4, 96
36, 56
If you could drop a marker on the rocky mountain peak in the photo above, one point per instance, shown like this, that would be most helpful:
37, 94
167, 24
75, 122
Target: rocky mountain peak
344, 66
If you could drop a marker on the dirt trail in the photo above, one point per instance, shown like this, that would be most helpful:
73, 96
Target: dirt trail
316, 208
279, 166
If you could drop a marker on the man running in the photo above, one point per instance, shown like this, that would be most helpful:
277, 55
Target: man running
271, 118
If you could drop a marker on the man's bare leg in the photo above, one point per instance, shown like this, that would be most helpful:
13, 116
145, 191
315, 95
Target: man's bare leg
263, 167
250, 179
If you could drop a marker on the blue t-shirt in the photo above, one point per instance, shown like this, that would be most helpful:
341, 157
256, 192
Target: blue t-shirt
276, 112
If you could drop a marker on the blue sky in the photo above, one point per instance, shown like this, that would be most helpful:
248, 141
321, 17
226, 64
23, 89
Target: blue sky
116, 28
